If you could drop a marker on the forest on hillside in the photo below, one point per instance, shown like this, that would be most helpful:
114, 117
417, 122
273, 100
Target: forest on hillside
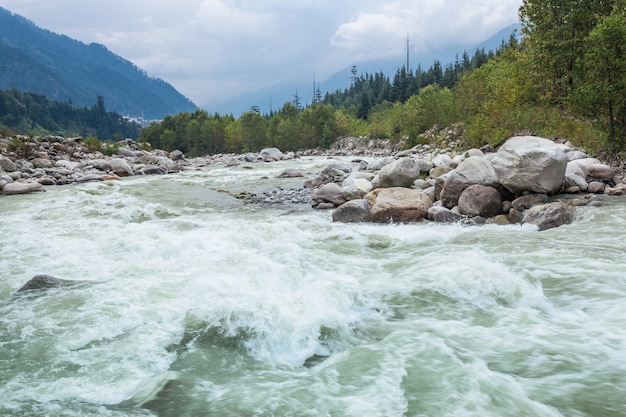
29, 113
565, 78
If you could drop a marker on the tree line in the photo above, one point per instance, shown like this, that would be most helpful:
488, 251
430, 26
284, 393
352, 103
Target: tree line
34, 113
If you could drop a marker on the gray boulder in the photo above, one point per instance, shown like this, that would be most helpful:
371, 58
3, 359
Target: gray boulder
7, 165
601, 172
548, 216
100, 164
271, 154
42, 163
480, 200
152, 170
290, 173
329, 193
357, 184
442, 214
121, 167
398, 204
15, 188
528, 200
353, 211
176, 155
400, 173
473, 170
42, 282
529, 163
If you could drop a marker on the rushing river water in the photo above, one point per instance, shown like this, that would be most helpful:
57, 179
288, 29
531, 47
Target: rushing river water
195, 304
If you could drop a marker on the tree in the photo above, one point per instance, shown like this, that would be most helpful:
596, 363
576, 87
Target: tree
603, 92
555, 33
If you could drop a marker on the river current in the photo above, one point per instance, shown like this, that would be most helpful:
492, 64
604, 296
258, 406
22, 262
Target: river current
192, 303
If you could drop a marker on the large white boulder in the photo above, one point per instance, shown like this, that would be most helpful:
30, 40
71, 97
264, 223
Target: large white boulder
529, 163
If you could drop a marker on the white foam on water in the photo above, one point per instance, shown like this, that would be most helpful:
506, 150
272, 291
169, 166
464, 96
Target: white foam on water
404, 319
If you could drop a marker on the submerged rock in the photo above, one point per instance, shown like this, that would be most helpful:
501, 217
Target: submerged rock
42, 282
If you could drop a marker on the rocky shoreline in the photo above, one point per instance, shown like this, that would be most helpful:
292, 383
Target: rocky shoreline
527, 180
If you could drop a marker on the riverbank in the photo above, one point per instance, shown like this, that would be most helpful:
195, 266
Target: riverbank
381, 184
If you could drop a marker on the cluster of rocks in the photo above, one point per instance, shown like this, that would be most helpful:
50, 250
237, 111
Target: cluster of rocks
54, 160
515, 184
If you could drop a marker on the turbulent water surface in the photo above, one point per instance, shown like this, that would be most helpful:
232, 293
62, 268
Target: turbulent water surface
192, 303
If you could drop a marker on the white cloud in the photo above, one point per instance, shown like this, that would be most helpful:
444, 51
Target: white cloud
213, 49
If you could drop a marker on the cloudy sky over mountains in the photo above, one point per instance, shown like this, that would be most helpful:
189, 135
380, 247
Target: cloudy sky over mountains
213, 49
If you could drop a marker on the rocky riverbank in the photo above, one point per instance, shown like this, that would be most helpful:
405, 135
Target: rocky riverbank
527, 180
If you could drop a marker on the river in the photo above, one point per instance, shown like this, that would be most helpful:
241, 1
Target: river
192, 303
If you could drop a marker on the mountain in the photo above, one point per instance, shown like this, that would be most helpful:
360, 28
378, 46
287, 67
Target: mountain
273, 97
39, 61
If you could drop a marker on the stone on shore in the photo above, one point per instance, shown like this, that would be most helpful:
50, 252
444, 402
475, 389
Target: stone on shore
550, 215
441, 214
529, 163
480, 200
15, 188
473, 170
398, 204
401, 173
329, 193
7, 165
121, 167
353, 211
271, 154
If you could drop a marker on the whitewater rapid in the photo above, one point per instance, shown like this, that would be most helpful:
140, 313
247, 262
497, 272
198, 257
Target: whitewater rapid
193, 303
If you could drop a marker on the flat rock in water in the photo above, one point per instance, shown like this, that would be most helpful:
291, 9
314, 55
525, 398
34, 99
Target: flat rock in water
14, 188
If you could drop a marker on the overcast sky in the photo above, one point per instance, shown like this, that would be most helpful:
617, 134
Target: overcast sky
210, 50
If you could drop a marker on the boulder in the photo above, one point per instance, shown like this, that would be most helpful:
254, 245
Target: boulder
15, 188
121, 167
62, 163
473, 170
152, 170
480, 200
574, 180
100, 164
547, 216
400, 173
329, 193
42, 282
601, 172
42, 163
574, 155
7, 165
271, 154
398, 204
89, 178
353, 211
357, 184
529, 163
528, 200
442, 214
176, 155
290, 173
596, 187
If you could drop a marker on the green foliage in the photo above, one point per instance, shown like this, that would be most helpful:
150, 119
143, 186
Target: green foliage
93, 144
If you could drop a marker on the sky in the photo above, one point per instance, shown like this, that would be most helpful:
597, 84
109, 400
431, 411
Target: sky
211, 50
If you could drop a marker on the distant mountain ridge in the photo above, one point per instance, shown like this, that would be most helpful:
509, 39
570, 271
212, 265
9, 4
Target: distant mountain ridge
273, 97
63, 69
